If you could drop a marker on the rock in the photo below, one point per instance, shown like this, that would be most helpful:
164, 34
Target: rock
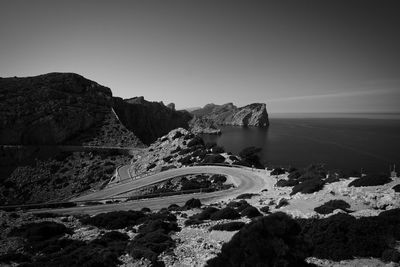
228, 114
149, 120
50, 108
171, 106
202, 125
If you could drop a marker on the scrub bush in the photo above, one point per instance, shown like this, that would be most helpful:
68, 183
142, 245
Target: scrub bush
230, 226
332, 205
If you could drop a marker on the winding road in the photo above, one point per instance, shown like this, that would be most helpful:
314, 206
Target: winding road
244, 179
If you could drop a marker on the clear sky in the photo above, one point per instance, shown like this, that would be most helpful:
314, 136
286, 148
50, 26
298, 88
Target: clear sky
296, 56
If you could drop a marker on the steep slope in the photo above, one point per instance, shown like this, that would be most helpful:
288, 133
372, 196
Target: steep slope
50, 108
149, 120
228, 114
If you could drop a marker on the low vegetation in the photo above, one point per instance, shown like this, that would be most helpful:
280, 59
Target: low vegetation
278, 171
115, 219
246, 196
330, 206
371, 180
273, 240
308, 186
341, 236
396, 188
225, 213
229, 226
250, 212
193, 203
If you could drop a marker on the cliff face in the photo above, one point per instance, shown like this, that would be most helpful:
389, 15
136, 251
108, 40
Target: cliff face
149, 120
50, 108
228, 114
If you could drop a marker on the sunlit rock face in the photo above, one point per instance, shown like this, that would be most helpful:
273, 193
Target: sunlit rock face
228, 114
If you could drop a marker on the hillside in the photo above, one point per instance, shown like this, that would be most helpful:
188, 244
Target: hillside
149, 120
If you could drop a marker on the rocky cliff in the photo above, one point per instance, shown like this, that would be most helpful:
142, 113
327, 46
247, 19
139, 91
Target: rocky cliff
228, 114
66, 108
50, 108
149, 120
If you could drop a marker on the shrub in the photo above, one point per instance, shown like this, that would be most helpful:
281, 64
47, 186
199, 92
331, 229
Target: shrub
250, 212
115, 219
177, 149
36, 232
332, 205
205, 214
230, 226
193, 221
294, 175
391, 255
193, 184
197, 140
211, 158
396, 188
151, 166
68, 252
282, 202
238, 206
371, 180
173, 207
14, 257
193, 203
145, 209
158, 225
233, 158
177, 135
167, 158
308, 187
273, 240
169, 167
217, 149
218, 179
225, 213
188, 136
186, 160
199, 153
283, 183
341, 236
210, 145
265, 209
152, 240
278, 171
242, 163
43, 215
250, 157
113, 236
246, 196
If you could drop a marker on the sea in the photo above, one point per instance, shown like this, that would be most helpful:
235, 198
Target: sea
340, 141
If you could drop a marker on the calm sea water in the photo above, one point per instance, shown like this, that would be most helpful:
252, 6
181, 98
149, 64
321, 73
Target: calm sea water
346, 143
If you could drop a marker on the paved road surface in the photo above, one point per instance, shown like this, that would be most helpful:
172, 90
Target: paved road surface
245, 180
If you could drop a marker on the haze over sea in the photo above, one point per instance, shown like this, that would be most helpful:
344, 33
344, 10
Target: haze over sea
347, 141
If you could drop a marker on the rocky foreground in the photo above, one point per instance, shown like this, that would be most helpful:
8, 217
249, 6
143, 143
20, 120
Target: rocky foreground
362, 232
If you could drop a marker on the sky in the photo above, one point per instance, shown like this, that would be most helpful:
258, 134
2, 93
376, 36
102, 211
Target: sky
295, 56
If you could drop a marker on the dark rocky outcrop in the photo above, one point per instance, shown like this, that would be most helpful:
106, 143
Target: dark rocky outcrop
228, 114
50, 108
149, 120
66, 108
